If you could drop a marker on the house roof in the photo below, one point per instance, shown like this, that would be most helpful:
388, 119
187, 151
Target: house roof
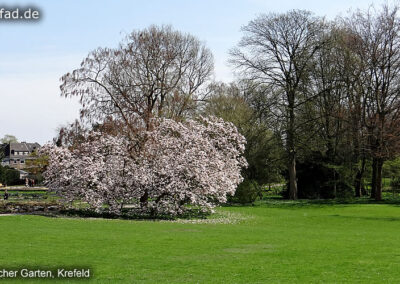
23, 146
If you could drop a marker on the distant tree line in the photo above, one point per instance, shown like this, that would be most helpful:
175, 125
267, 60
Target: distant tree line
329, 91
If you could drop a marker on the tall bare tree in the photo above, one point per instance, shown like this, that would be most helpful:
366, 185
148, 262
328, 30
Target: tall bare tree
277, 50
379, 53
155, 72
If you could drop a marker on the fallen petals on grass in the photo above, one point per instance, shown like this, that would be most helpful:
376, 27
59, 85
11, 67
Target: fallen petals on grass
222, 217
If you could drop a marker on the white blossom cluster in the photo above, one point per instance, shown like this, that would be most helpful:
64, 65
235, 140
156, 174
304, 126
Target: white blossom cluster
175, 166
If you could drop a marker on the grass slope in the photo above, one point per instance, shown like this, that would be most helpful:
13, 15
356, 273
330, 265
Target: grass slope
279, 244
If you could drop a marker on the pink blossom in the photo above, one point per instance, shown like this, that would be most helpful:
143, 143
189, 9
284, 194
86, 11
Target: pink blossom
180, 164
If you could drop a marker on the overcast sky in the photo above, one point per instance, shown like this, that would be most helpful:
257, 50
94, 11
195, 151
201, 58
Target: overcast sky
33, 56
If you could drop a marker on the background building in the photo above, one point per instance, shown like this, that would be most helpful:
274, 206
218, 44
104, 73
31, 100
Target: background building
15, 155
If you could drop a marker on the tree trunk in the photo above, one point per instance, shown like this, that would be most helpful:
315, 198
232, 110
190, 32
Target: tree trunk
373, 178
378, 190
144, 199
379, 161
292, 177
334, 184
291, 150
357, 185
358, 179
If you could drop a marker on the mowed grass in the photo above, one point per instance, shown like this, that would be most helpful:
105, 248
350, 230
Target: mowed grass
279, 244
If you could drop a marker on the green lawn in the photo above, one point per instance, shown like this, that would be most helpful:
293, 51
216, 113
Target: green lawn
267, 244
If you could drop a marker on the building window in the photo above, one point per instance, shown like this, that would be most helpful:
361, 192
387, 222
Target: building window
12, 152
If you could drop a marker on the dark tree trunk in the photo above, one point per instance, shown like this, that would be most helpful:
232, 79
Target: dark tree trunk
334, 184
144, 199
373, 178
292, 177
378, 190
291, 150
379, 161
357, 185
358, 179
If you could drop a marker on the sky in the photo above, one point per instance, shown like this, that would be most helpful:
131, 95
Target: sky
34, 55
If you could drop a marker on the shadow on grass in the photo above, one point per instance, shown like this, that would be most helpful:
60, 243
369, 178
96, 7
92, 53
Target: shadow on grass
277, 202
87, 213
366, 218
